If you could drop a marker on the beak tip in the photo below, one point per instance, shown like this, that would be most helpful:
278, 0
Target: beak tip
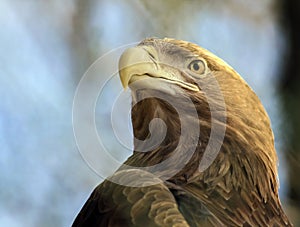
134, 61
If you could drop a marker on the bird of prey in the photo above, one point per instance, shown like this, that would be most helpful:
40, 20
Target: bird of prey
215, 143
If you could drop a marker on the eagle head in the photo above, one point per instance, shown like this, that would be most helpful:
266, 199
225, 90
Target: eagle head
168, 76
218, 144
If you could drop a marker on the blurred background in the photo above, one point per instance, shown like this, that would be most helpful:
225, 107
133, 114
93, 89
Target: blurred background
46, 46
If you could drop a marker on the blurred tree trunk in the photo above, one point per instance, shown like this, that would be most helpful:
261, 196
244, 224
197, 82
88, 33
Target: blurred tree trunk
81, 51
290, 92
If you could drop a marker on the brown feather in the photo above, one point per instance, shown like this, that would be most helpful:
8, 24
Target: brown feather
239, 188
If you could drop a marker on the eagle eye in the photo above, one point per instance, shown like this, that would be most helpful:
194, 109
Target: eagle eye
197, 66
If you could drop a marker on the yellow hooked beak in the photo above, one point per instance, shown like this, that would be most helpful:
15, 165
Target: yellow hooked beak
142, 62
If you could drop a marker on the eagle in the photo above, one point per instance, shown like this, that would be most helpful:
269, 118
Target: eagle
203, 146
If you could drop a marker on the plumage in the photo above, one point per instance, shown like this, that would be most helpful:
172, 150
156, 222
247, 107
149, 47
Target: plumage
239, 187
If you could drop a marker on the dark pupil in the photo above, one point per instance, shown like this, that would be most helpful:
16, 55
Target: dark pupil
196, 66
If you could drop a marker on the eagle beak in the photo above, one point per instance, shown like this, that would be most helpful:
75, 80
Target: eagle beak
137, 61
141, 64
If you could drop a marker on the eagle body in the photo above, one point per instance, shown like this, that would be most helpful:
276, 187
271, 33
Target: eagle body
210, 158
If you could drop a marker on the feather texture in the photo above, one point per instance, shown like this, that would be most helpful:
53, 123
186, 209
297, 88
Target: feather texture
239, 188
